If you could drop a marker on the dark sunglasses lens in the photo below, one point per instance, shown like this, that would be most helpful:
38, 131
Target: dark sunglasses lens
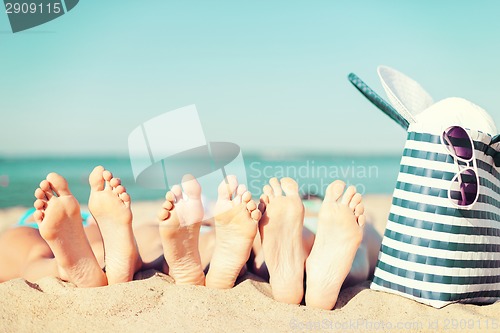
464, 188
458, 141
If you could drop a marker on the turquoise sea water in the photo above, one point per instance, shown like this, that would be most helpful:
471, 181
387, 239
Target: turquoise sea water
19, 177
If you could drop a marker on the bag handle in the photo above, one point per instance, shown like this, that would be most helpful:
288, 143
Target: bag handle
378, 101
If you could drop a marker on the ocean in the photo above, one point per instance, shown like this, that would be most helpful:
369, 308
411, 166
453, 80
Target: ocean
19, 177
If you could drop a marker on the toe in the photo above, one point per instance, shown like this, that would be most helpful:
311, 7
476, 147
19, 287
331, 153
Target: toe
264, 198
119, 190
227, 187
125, 197
268, 191
232, 182
256, 215
275, 184
191, 187
114, 182
246, 197
361, 221
356, 200
289, 186
107, 175
177, 192
168, 205
40, 204
46, 189
349, 193
170, 197
58, 184
359, 210
40, 194
251, 206
240, 190
38, 216
45, 185
334, 191
96, 179
163, 214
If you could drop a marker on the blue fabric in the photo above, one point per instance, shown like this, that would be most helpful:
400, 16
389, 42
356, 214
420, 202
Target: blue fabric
23, 220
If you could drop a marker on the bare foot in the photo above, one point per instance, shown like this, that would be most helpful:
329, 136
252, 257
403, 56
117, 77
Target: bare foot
109, 204
60, 224
281, 233
236, 221
180, 222
340, 231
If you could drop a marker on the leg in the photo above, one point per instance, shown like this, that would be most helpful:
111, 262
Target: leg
340, 231
366, 257
281, 233
21, 247
372, 241
95, 239
236, 218
149, 245
109, 204
60, 224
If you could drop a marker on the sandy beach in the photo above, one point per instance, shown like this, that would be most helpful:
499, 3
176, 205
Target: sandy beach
152, 303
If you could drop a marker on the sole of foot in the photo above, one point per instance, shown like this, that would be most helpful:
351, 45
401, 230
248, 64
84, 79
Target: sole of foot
340, 232
236, 219
109, 204
180, 221
281, 233
60, 225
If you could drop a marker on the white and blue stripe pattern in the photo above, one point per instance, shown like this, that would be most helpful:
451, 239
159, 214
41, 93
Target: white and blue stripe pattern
432, 251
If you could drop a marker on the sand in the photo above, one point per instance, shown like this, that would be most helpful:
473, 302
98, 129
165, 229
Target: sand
153, 303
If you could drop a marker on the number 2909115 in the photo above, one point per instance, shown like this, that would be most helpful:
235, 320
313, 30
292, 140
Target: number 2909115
33, 8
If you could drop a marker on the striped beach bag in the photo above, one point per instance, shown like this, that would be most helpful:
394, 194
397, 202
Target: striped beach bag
442, 240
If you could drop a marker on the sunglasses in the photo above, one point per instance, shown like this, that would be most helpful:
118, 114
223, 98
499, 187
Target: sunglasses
464, 187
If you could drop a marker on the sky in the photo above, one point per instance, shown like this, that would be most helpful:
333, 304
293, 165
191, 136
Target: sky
268, 76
